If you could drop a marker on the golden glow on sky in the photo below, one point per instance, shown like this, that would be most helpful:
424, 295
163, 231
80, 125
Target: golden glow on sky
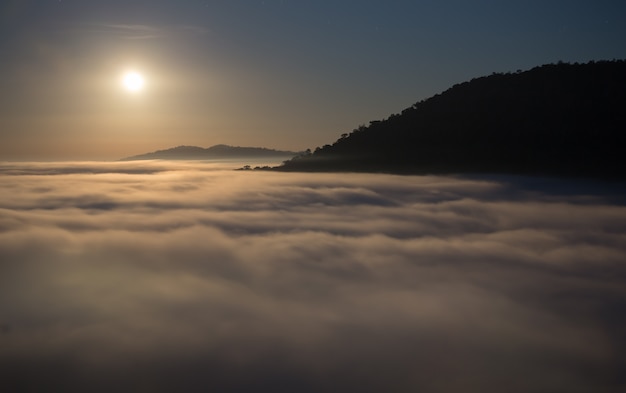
271, 74
133, 81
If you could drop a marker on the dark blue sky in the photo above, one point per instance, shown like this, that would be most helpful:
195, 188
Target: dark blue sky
281, 74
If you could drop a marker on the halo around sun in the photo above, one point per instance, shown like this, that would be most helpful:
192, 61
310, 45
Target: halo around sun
133, 81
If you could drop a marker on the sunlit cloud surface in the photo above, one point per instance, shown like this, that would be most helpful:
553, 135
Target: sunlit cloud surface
156, 276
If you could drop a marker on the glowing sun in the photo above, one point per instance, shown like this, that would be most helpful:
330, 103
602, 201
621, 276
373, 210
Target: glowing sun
133, 81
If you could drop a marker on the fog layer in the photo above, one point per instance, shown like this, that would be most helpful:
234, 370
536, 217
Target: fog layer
157, 276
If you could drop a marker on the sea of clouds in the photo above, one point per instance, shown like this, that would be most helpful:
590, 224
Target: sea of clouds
191, 277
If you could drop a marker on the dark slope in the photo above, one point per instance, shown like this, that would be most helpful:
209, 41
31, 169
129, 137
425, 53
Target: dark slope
563, 119
213, 152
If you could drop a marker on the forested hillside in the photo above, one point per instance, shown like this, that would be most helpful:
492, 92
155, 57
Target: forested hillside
557, 119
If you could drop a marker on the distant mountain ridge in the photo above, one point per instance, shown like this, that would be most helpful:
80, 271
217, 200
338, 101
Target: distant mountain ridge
213, 152
556, 119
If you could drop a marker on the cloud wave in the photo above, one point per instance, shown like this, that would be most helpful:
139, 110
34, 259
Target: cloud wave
164, 276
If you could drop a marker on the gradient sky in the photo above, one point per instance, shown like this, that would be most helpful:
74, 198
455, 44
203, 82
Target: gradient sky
274, 73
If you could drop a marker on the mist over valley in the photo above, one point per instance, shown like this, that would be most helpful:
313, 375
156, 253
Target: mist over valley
163, 275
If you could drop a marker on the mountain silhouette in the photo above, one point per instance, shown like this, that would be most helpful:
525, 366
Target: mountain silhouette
556, 119
213, 152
